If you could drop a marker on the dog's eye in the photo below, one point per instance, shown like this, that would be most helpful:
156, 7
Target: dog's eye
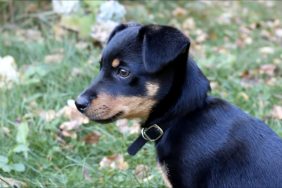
123, 72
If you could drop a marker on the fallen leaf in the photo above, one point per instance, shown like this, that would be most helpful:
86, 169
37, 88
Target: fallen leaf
244, 96
201, 36
54, 58
81, 45
10, 182
33, 35
266, 50
76, 119
265, 34
8, 72
125, 128
47, 115
277, 112
6, 131
179, 11
59, 32
214, 85
268, 69
278, 32
114, 162
225, 18
70, 125
86, 175
141, 171
101, 31
189, 24
68, 129
76, 72
92, 138
31, 8
70, 112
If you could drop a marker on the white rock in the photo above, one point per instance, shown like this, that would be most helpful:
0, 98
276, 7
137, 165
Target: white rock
65, 6
111, 10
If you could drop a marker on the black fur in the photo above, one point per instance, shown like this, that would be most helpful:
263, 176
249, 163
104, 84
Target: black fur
208, 141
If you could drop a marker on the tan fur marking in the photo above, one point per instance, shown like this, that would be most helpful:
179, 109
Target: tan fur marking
115, 63
164, 171
106, 106
152, 89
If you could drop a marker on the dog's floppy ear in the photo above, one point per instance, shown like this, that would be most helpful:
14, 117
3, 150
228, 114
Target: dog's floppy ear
116, 30
161, 45
120, 28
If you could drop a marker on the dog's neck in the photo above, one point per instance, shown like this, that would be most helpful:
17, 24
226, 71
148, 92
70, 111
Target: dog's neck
187, 93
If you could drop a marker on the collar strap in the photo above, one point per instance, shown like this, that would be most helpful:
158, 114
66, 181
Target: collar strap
152, 133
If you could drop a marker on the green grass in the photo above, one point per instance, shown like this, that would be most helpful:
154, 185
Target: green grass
51, 164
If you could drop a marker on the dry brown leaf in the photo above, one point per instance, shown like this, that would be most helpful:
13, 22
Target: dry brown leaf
100, 31
244, 96
225, 18
201, 36
266, 50
82, 45
268, 69
125, 128
277, 112
278, 32
70, 112
76, 72
48, 115
31, 8
214, 85
86, 175
59, 32
53, 58
70, 125
68, 129
92, 138
29, 35
189, 24
114, 162
179, 11
141, 171
10, 182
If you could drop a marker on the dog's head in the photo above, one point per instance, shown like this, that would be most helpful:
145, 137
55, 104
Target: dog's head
139, 68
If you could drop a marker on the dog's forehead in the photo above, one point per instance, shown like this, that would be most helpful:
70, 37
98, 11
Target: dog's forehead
124, 44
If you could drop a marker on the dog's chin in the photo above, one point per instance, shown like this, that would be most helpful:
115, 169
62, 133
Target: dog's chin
107, 120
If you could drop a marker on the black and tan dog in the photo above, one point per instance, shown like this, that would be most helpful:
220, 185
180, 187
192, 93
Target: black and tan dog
201, 141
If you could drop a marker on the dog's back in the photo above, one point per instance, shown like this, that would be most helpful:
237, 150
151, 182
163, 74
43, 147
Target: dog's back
221, 146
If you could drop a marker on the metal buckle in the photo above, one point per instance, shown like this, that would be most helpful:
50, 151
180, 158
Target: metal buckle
146, 137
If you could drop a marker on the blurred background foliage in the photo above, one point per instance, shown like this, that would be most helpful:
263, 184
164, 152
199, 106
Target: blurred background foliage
47, 58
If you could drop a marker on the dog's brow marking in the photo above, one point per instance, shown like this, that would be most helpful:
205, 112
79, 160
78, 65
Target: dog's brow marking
152, 89
115, 63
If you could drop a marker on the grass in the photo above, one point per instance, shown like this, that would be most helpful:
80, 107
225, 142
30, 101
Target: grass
49, 86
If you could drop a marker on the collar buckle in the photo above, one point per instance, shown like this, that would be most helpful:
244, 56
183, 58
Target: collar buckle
152, 133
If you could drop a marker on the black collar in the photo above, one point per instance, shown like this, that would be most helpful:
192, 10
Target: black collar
152, 130
151, 133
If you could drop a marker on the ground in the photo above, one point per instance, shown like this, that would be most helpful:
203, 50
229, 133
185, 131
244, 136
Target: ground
236, 44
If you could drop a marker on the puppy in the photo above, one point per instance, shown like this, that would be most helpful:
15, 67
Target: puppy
200, 140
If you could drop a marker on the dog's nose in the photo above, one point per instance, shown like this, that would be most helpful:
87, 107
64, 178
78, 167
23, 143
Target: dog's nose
81, 103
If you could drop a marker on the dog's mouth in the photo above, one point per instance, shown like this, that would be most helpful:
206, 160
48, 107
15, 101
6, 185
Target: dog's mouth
108, 120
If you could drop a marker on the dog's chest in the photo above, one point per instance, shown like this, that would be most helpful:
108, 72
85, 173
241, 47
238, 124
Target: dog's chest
165, 173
